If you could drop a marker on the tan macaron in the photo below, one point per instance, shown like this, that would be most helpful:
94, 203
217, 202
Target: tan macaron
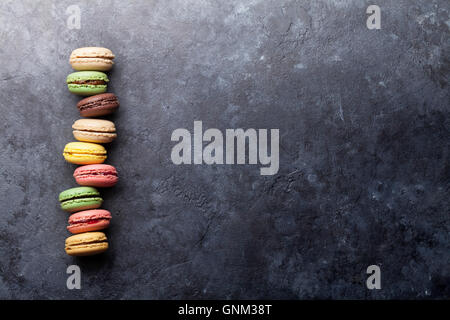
92, 58
94, 130
86, 244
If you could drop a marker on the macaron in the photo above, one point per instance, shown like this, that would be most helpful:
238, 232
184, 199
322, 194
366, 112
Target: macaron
92, 58
98, 105
79, 199
84, 153
96, 175
94, 130
89, 220
87, 83
86, 244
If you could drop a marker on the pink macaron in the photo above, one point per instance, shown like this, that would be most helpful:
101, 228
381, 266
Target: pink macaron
96, 175
89, 220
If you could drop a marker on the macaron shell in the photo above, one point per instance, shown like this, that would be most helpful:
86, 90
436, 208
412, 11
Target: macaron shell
92, 52
86, 75
75, 205
83, 216
97, 125
85, 244
89, 215
78, 192
97, 137
85, 147
98, 111
95, 226
101, 175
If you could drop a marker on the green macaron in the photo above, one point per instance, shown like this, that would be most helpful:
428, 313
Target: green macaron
81, 198
87, 83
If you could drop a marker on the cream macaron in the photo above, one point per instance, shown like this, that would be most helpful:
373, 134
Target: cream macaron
94, 130
92, 58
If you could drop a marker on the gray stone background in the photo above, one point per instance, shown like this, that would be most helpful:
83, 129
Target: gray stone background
364, 149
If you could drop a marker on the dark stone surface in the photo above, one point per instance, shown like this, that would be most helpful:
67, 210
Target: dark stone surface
364, 149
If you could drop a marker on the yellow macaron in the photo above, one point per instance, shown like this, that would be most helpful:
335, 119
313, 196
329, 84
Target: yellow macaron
86, 244
84, 153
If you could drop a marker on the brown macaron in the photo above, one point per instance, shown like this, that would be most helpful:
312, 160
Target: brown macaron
98, 105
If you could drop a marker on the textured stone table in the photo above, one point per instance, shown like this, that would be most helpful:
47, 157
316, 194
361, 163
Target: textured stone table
364, 149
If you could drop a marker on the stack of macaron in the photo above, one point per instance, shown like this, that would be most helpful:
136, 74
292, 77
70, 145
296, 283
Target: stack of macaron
84, 202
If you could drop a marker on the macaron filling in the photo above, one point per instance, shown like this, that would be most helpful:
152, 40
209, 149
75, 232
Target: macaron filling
111, 133
89, 220
80, 196
92, 128
96, 173
87, 242
81, 153
89, 82
86, 245
94, 136
78, 199
75, 205
92, 221
99, 103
